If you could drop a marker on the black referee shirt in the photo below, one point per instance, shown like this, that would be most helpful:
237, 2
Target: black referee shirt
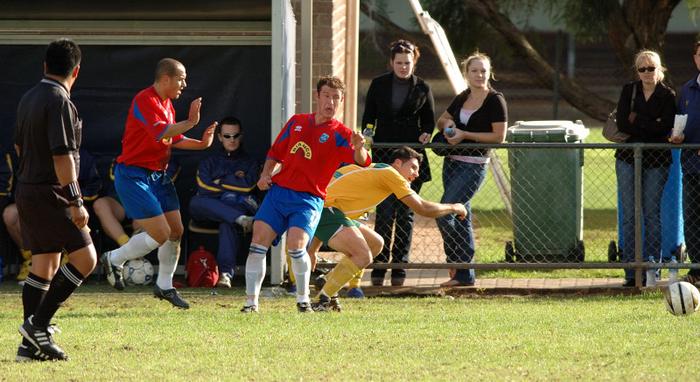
47, 125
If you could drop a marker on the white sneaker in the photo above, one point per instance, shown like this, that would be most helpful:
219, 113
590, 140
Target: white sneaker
246, 222
224, 281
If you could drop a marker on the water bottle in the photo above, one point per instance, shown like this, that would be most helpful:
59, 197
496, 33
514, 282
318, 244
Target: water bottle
368, 133
450, 132
673, 272
651, 274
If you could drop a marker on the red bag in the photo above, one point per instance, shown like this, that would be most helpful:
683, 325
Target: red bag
202, 270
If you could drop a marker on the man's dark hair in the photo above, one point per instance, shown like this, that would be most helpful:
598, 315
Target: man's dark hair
168, 67
332, 82
229, 121
405, 153
62, 56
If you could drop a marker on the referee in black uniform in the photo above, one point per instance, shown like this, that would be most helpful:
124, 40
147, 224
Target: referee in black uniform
51, 212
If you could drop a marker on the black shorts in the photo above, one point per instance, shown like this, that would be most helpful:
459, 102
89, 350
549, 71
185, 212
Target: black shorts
45, 220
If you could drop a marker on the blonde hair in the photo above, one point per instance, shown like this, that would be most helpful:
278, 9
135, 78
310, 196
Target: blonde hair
477, 56
654, 58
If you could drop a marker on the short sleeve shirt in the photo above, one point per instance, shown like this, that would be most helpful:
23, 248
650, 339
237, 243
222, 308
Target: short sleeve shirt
47, 125
310, 153
356, 190
143, 144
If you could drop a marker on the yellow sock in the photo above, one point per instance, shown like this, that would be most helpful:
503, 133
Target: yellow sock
26, 254
121, 240
292, 279
355, 282
341, 274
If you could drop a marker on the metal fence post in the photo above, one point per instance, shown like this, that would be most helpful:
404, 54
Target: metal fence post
638, 216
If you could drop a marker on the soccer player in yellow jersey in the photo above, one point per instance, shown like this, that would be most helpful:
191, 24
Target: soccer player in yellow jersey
353, 191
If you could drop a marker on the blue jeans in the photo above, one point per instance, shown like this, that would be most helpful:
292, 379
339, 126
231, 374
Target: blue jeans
460, 181
653, 182
230, 233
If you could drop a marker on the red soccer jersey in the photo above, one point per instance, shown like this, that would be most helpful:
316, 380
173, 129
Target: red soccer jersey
143, 144
311, 153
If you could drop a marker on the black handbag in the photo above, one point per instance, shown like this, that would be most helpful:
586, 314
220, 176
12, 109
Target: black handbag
440, 138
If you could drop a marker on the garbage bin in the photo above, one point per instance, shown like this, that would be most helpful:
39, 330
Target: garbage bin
546, 193
672, 235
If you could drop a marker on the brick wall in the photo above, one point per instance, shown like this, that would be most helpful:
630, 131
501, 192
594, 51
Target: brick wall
329, 22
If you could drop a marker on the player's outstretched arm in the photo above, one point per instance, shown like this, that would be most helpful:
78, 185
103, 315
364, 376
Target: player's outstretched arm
431, 209
196, 144
191, 121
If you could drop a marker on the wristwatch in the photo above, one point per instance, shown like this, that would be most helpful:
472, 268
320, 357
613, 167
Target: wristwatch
77, 203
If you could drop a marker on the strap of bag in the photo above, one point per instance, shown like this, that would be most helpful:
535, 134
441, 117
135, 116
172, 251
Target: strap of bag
634, 94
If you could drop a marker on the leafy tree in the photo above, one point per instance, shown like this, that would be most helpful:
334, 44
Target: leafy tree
628, 25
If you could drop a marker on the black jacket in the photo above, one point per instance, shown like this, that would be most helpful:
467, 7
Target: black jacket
416, 116
652, 124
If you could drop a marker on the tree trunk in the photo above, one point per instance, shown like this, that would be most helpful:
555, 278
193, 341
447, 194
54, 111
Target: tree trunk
637, 25
581, 98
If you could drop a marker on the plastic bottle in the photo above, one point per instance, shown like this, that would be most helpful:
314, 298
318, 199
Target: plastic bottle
450, 132
651, 274
673, 272
368, 132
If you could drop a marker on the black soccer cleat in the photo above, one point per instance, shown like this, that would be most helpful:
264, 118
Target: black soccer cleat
113, 273
29, 353
171, 296
249, 309
327, 304
42, 340
304, 307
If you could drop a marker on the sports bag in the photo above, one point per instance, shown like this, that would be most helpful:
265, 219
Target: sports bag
610, 130
202, 270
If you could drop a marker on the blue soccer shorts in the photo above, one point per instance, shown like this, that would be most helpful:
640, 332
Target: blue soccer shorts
283, 208
144, 193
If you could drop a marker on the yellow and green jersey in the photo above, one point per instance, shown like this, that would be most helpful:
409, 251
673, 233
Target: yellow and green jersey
356, 190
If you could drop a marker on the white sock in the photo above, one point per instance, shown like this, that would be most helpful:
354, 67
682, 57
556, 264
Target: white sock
255, 268
301, 266
168, 253
138, 246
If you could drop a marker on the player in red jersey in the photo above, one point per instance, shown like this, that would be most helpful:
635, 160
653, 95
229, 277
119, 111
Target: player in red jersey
145, 189
309, 149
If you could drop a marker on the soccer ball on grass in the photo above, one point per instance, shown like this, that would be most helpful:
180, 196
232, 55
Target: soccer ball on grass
682, 298
138, 272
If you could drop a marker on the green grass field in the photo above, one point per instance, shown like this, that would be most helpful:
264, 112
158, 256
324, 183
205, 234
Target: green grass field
131, 336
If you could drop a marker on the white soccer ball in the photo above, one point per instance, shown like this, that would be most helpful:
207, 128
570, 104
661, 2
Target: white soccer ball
138, 272
682, 298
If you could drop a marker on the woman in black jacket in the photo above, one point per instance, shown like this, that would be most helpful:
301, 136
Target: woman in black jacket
648, 117
400, 105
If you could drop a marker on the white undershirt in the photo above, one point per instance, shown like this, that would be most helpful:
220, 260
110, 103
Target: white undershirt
464, 116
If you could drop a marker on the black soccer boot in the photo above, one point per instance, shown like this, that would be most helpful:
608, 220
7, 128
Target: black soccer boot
113, 273
42, 340
171, 296
304, 307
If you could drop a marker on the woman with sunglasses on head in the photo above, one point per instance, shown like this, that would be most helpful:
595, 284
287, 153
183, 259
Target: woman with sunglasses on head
400, 106
477, 115
227, 194
645, 111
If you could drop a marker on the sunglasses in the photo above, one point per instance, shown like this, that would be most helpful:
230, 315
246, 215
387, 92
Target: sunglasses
402, 45
646, 69
232, 136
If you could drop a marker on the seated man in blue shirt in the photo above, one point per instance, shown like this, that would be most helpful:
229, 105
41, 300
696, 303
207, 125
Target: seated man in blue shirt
226, 183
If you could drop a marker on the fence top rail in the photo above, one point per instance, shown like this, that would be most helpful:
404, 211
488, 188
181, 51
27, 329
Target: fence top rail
542, 145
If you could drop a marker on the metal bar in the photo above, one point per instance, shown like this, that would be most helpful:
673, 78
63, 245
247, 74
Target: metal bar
522, 266
638, 215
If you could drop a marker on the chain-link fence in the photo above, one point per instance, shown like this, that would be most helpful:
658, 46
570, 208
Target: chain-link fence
544, 206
